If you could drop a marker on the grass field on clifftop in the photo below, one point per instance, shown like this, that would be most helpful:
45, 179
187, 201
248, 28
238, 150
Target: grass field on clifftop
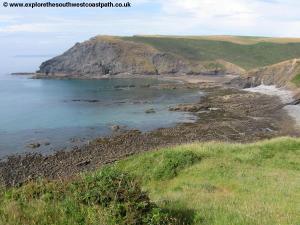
210, 183
259, 52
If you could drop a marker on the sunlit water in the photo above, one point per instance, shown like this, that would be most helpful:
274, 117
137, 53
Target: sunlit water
48, 111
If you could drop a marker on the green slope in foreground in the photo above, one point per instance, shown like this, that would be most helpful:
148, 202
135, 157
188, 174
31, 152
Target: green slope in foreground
210, 183
247, 56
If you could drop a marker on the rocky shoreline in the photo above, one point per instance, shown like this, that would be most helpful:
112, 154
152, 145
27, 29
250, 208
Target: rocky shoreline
225, 114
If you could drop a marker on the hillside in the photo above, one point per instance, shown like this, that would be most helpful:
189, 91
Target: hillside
104, 55
200, 183
243, 40
247, 56
284, 74
159, 55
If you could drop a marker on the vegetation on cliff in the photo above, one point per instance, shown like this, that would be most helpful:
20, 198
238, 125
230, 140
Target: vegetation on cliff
104, 55
283, 74
242, 40
247, 56
296, 80
210, 183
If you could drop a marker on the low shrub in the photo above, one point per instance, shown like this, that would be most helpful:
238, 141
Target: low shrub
109, 195
173, 162
122, 196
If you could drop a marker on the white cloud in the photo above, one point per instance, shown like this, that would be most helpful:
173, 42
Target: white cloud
52, 31
26, 27
258, 17
8, 18
245, 17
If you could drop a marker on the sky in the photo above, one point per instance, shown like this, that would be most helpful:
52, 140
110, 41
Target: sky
30, 36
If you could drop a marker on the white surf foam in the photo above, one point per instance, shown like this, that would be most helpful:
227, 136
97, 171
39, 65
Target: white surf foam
285, 96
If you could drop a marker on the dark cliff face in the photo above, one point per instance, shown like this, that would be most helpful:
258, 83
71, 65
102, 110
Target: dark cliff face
111, 55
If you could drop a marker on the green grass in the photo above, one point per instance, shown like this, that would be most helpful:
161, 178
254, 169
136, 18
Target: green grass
231, 184
201, 183
296, 80
108, 196
245, 56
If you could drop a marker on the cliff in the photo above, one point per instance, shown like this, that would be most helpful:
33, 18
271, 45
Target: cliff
282, 74
104, 55
267, 63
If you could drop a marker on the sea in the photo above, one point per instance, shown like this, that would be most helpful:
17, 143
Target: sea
61, 114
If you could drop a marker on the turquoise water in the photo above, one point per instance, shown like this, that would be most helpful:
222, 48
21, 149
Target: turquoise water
60, 111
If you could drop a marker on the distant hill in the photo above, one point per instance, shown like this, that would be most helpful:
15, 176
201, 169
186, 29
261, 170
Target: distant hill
246, 52
159, 55
106, 55
244, 40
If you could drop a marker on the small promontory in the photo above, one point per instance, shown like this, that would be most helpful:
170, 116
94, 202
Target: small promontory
107, 55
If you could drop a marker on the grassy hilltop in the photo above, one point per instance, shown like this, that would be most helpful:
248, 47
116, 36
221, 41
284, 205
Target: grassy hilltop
246, 52
210, 183
169, 55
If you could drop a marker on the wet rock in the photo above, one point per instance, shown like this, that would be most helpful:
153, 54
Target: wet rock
33, 145
118, 128
145, 86
149, 111
295, 102
141, 102
267, 130
115, 128
83, 163
86, 100
186, 108
119, 86
77, 140
124, 86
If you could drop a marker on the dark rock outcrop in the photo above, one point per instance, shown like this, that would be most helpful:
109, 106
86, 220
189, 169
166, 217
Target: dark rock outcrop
33, 145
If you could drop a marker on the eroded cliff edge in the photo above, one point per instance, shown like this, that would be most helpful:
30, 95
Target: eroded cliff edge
284, 75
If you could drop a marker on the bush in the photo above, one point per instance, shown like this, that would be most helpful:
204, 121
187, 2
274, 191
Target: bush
39, 190
121, 195
173, 162
109, 195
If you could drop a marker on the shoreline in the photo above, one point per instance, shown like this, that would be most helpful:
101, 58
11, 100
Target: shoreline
286, 97
223, 116
185, 78
135, 117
